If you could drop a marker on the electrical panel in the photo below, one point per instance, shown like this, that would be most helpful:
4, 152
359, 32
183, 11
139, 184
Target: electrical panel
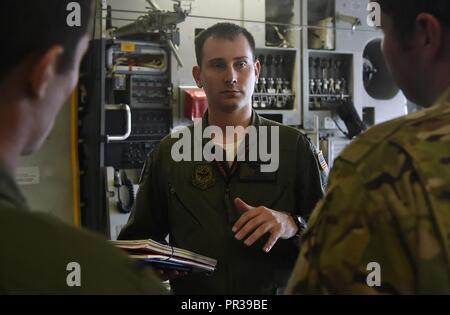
148, 128
138, 74
125, 94
149, 91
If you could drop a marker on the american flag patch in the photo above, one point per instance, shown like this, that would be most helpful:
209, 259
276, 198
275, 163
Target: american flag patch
322, 162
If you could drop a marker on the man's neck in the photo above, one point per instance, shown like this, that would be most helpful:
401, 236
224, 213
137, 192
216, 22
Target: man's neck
241, 117
17, 120
9, 154
437, 83
237, 118
439, 89
12, 138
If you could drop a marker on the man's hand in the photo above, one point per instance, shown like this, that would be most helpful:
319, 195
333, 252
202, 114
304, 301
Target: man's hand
261, 220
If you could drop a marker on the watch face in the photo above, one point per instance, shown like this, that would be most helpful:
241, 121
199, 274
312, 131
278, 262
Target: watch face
300, 222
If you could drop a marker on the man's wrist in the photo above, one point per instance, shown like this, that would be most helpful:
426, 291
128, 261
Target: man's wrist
299, 222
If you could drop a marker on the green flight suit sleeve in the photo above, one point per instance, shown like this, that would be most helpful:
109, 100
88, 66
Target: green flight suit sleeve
148, 218
38, 250
309, 181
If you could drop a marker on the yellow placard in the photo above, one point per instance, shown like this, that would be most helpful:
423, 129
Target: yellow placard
127, 47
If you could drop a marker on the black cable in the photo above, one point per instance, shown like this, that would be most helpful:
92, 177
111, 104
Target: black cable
339, 127
347, 112
124, 208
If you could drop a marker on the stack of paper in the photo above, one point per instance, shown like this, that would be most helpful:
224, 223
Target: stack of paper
165, 256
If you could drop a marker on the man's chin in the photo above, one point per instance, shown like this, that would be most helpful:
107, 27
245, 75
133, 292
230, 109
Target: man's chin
231, 107
417, 99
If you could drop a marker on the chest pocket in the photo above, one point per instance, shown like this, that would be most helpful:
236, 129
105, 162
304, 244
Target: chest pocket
193, 207
251, 172
185, 224
194, 222
264, 189
180, 208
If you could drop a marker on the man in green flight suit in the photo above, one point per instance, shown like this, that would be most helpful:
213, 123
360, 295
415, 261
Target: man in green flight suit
236, 211
39, 254
384, 225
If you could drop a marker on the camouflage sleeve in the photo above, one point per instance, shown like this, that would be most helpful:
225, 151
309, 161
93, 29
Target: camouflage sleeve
384, 219
148, 218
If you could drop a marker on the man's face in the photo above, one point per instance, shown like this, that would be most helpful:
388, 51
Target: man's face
60, 86
228, 73
403, 60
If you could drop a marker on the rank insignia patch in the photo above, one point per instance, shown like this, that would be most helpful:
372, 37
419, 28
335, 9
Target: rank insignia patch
203, 177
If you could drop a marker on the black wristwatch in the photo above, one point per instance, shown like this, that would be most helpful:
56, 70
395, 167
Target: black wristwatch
300, 222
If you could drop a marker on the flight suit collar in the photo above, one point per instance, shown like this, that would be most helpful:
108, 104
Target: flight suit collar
250, 166
254, 121
10, 193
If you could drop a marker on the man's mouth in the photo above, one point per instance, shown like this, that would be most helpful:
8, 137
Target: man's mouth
231, 93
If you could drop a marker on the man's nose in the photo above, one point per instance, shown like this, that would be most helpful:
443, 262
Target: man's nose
231, 76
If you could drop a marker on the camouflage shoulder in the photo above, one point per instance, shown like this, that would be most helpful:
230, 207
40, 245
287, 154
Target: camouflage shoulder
395, 128
380, 143
369, 140
428, 125
421, 125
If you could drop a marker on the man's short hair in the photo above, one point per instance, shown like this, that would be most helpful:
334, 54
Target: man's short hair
32, 26
228, 31
404, 13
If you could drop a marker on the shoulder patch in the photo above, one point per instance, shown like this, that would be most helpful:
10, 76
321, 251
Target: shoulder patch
322, 162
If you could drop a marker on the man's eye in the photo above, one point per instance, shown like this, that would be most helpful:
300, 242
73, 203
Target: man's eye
242, 64
218, 65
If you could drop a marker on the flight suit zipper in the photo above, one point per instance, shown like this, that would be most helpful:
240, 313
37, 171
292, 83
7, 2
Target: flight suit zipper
177, 197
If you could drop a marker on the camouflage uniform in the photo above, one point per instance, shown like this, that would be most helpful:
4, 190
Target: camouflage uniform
36, 250
388, 202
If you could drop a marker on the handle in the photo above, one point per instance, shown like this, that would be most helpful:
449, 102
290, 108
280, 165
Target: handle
127, 109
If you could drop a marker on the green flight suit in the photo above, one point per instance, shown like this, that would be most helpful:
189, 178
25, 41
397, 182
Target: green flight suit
192, 202
388, 202
36, 250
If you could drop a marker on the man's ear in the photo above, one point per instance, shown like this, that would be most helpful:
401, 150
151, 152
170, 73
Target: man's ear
430, 33
257, 68
43, 69
196, 74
